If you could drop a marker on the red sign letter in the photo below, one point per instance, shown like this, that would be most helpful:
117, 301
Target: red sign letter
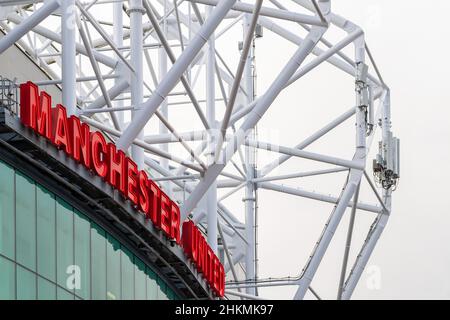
164, 221
144, 202
155, 203
98, 145
35, 112
80, 141
132, 174
116, 176
62, 134
175, 222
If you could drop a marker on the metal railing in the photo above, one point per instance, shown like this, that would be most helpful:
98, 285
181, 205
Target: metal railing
9, 97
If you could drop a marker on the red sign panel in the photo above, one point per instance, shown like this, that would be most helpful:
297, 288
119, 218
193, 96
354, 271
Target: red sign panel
90, 149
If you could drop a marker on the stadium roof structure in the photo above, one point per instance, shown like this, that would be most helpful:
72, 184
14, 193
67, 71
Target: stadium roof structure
143, 57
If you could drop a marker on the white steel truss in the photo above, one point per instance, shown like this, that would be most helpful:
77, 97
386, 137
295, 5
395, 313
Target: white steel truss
144, 56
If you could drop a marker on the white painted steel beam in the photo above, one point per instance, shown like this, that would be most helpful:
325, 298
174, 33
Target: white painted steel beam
25, 25
270, 12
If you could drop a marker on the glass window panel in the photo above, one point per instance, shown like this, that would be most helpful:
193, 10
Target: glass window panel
63, 294
127, 275
46, 289
46, 233
98, 262
170, 294
26, 284
82, 254
139, 280
113, 269
152, 286
7, 279
161, 289
7, 210
63, 237
25, 221
64, 241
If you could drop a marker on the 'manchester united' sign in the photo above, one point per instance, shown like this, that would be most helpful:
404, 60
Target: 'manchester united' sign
90, 149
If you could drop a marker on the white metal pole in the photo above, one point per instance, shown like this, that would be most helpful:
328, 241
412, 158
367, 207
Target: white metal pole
162, 60
69, 74
136, 42
249, 199
211, 195
118, 40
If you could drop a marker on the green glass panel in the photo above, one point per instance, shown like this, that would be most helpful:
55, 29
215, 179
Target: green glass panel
170, 294
98, 262
161, 289
7, 279
7, 210
63, 294
46, 289
127, 275
64, 242
26, 284
152, 286
113, 269
82, 254
25, 221
139, 280
46, 233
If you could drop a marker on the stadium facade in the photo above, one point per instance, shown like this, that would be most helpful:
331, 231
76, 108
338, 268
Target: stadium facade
66, 233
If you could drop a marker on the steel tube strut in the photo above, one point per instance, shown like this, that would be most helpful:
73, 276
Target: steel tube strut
269, 12
27, 24
366, 251
136, 11
316, 196
348, 243
211, 195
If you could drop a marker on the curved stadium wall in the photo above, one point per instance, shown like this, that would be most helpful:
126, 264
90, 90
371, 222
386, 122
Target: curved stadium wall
46, 242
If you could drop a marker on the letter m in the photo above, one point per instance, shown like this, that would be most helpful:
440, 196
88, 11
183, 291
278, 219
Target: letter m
35, 109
